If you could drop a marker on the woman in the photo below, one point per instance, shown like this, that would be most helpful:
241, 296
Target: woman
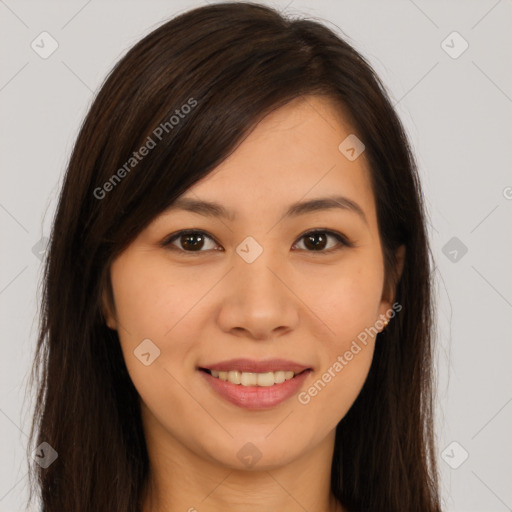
237, 307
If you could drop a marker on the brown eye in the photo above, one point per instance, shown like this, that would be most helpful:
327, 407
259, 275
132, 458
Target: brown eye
189, 241
317, 241
192, 241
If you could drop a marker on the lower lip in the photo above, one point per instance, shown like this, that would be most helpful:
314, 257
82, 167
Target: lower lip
256, 397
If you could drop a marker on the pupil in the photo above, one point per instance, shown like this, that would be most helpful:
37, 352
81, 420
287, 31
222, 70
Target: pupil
315, 238
189, 239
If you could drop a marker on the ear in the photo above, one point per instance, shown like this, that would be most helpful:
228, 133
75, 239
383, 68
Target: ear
388, 294
107, 307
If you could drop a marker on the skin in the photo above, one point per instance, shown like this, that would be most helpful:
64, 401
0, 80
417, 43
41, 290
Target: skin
292, 302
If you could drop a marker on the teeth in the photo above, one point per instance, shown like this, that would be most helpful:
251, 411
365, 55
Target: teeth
234, 377
253, 379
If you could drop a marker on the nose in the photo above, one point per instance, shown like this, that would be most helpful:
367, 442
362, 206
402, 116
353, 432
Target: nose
258, 302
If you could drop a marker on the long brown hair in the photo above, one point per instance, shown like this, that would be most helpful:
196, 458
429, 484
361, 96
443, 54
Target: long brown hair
231, 64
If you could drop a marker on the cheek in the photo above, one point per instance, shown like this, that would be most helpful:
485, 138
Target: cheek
348, 299
152, 305
327, 398
348, 303
149, 299
349, 306
147, 307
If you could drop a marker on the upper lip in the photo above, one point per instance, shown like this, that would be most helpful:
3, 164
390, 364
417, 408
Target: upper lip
253, 366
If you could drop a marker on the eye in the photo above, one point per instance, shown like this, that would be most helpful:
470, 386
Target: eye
190, 241
194, 241
317, 241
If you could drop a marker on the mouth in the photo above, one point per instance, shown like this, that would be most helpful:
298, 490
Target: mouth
255, 384
258, 379
252, 390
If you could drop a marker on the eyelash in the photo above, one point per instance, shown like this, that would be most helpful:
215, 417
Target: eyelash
343, 240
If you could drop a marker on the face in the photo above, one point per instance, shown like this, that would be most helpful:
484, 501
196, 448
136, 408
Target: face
260, 290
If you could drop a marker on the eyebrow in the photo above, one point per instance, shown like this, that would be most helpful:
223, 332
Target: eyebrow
213, 209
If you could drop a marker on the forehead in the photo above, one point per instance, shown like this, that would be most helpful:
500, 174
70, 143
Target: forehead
292, 154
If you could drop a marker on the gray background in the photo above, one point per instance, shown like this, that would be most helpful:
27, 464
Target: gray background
457, 112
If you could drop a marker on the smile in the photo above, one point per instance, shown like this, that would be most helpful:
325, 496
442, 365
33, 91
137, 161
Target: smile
270, 389
266, 379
